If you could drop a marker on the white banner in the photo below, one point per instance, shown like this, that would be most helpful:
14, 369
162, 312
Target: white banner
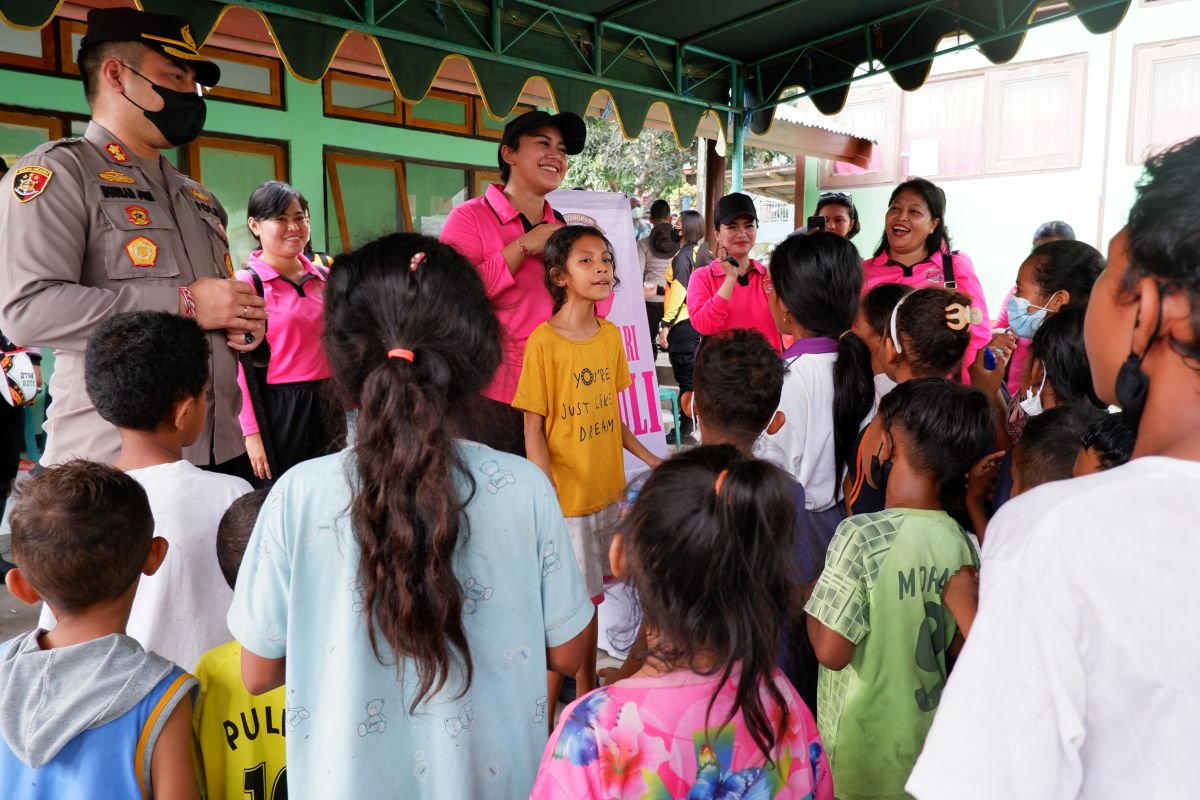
609, 211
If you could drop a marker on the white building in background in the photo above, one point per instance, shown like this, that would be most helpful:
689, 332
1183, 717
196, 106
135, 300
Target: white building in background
1061, 132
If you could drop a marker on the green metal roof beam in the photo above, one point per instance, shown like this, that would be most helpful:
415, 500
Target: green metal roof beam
740, 21
486, 55
1014, 30
620, 9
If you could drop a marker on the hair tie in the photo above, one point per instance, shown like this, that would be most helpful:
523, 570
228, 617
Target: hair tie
845, 333
959, 316
720, 481
400, 352
417, 258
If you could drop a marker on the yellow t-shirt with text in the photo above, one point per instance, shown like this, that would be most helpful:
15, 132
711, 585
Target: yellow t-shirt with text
239, 738
574, 385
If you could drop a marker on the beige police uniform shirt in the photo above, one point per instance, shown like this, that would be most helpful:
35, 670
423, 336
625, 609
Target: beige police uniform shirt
87, 230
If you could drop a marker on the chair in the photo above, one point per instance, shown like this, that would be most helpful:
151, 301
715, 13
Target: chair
671, 394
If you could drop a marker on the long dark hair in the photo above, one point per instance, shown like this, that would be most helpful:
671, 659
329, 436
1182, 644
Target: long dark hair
818, 278
411, 292
935, 201
733, 608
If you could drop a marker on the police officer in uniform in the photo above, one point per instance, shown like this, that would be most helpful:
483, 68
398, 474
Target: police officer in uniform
95, 226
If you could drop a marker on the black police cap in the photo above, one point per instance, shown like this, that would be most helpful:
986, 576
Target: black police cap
166, 33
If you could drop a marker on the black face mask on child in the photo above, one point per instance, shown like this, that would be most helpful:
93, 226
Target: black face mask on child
879, 472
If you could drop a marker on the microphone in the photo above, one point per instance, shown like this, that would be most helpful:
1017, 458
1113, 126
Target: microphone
743, 280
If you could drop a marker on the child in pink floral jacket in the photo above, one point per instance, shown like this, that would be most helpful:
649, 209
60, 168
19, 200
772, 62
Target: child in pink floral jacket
708, 715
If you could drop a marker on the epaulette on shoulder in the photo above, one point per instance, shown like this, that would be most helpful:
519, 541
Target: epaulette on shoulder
66, 141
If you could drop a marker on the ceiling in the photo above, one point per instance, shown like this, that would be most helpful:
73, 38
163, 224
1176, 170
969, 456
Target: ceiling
693, 58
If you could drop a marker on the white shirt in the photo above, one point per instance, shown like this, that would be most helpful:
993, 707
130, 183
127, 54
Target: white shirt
1081, 676
179, 611
804, 445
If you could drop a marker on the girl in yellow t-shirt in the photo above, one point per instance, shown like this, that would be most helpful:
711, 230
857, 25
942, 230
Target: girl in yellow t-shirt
573, 369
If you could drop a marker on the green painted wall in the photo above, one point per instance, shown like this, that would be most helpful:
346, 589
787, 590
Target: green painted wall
302, 124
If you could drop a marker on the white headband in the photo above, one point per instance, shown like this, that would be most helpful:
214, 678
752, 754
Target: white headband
895, 336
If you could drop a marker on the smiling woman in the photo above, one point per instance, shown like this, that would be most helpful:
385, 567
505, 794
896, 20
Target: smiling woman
503, 234
915, 251
290, 368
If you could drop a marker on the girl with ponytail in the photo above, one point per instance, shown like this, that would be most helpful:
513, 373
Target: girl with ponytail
708, 715
814, 287
414, 588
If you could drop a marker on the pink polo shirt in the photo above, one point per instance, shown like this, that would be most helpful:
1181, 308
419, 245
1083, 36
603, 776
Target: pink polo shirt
710, 313
881, 269
293, 332
479, 229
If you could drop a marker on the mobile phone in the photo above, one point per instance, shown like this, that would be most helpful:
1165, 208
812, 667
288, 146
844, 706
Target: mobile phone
816, 223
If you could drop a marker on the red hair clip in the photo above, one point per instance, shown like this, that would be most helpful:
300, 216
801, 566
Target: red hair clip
417, 258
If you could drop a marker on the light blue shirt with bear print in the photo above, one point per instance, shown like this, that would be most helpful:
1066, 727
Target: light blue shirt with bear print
349, 730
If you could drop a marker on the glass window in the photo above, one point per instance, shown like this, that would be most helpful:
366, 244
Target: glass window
442, 111
943, 129
368, 200
1166, 96
432, 192
232, 169
70, 34
248, 78
20, 42
20, 133
872, 112
487, 125
22, 48
359, 97
1035, 114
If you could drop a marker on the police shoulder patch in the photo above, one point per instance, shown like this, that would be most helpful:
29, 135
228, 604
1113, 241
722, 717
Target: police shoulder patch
29, 182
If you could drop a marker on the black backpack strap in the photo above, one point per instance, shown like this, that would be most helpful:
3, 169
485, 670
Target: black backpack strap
948, 270
562, 220
262, 353
257, 281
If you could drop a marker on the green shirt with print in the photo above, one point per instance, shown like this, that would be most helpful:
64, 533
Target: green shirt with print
881, 589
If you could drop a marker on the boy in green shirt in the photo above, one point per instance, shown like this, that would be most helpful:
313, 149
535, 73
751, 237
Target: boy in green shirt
877, 621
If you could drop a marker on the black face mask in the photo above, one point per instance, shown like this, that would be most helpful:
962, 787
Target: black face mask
1132, 383
879, 472
676, 235
182, 116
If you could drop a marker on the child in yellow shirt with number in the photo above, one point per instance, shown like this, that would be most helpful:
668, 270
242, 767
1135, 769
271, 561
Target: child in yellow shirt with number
238, 737
574, 367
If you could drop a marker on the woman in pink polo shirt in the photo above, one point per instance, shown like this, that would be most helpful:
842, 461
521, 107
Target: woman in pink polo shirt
502, 233
915, 250
301, 414
729, 292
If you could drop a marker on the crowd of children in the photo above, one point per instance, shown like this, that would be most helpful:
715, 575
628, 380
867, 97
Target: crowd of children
882, 525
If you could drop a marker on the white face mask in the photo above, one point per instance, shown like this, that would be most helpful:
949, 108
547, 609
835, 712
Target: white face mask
1032, 404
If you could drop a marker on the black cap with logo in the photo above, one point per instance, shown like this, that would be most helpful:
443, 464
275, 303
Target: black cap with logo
569, 124
166, 33
734, 205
